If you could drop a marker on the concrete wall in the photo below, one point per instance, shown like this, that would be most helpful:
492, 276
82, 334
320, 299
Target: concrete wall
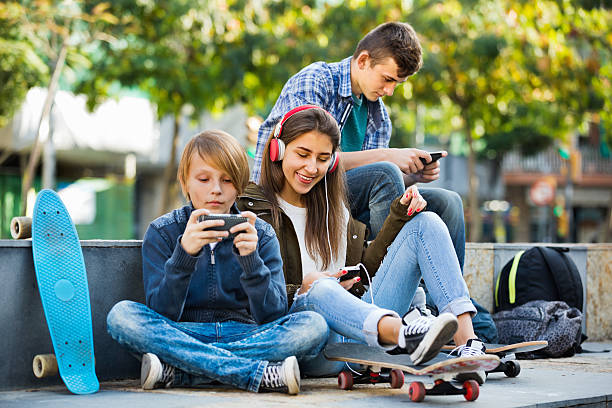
114, 272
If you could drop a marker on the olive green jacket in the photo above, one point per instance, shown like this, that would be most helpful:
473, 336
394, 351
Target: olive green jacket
357, 249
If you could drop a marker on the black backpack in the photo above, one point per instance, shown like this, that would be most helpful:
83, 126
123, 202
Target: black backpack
539, 273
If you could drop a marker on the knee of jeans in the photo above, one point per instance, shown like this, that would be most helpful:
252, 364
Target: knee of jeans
118, 318
454, 201
321, 288
319, 327
390, 172
316, 326
428, 220
450, 200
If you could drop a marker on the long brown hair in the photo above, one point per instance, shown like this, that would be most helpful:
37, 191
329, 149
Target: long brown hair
273, 179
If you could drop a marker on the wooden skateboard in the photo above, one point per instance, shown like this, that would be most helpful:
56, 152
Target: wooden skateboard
441, 369
62, 283
508, 363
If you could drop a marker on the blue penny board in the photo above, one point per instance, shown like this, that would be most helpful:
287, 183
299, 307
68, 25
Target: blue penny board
62, 283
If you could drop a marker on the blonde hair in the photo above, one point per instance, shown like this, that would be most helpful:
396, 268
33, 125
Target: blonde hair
222, 151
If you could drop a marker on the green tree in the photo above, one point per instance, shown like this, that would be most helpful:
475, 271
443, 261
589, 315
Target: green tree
20, 66
514, 74
46, 35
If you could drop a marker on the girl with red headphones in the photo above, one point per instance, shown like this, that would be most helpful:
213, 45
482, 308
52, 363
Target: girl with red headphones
302, 193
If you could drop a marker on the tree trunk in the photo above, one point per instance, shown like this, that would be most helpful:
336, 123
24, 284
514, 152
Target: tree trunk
475, 223
28, 174
170, 183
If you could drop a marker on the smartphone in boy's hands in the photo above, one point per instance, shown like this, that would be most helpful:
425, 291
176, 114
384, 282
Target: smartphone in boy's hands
435, 156
229, 219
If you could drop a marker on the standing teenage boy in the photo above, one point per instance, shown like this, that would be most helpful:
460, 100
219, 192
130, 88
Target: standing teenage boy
352, 90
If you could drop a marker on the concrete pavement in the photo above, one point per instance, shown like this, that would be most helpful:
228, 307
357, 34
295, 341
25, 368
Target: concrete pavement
584, 380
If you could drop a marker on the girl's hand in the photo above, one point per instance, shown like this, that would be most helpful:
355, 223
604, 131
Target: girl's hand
197, 235
246, 241
310, 278
413, 199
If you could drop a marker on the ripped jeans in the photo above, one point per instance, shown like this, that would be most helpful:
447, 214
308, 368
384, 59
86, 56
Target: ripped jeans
422, 249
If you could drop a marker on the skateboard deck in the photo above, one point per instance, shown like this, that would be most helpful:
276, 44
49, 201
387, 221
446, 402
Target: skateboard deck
523, 347
442, 369
62, 283
508, 363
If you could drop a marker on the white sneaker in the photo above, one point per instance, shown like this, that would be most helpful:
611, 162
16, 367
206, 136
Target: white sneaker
281, 377
473, 347
425, 334
154, 373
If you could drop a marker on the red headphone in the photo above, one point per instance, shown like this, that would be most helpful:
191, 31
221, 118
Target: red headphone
277, 146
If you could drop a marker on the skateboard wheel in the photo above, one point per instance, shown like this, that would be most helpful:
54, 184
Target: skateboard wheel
416, 392
21, 227
397, 378
471, 390
512, 368
44, 365
345, 380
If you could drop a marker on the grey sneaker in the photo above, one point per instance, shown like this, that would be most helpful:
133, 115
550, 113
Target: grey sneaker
473, 347
154, 373
425, 334
281, 377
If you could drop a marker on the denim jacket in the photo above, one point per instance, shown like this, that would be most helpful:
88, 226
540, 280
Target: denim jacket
214, 285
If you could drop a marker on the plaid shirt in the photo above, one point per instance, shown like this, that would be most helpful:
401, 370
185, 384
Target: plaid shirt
328, 86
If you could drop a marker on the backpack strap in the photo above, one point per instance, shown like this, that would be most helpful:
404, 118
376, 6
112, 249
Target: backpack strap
565, 280
511, 280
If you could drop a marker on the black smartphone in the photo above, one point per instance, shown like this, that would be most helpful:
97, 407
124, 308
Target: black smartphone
230, 221
351, 272
434, 157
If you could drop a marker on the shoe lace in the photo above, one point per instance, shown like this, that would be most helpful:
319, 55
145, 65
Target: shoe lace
465, 351
272, 376
417, 326
167, 374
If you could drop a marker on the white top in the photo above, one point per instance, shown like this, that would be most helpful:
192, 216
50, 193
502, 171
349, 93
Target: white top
297, 215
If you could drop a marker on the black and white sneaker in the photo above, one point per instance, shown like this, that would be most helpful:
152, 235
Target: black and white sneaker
154, 373
473, 347
423, 335
281, 377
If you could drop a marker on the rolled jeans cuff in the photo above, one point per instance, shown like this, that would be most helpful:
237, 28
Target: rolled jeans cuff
255, 382
460, 306
370, 327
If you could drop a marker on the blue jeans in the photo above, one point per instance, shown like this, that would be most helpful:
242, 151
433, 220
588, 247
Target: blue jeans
229, 352
422, 249
373, 187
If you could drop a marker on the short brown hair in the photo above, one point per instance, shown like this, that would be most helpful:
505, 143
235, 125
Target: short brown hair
396, 40
222, 151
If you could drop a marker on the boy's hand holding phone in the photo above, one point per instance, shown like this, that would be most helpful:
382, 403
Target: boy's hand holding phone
197, 234
204, 228
431, 169
246, 238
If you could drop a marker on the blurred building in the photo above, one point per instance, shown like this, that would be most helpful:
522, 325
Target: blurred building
107, 165
561, 196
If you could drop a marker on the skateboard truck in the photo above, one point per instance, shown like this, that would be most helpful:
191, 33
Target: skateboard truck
443, 386
371, 375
